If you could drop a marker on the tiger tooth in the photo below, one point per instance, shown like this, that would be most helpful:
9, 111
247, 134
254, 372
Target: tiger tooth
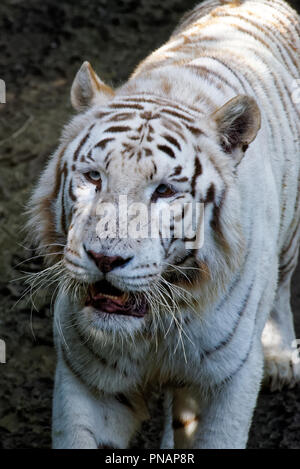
112, 297
122, 298
125, 296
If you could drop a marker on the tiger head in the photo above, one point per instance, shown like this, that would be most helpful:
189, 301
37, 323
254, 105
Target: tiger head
151, 153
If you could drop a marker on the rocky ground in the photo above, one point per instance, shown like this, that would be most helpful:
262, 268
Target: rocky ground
42, 45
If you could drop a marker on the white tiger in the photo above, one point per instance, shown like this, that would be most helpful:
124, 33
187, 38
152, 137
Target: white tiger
208, 117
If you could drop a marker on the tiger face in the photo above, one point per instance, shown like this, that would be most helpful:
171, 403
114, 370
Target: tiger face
151, 154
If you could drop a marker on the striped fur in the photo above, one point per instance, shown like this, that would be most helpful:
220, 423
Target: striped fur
189, 116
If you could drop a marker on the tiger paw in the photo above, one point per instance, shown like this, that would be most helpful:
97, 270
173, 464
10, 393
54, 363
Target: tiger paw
281, 368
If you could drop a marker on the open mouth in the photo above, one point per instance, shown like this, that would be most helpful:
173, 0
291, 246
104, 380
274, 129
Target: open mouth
104, 297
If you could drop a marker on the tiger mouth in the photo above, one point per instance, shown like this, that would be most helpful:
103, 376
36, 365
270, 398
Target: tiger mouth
104, 297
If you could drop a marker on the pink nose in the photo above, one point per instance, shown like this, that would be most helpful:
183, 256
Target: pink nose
107, 263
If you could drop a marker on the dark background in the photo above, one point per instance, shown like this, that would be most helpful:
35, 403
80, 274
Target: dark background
42, 44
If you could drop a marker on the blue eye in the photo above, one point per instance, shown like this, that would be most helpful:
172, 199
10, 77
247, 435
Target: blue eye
94, 177
163, 191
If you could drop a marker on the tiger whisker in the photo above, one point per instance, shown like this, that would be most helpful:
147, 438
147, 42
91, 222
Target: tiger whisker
36, 257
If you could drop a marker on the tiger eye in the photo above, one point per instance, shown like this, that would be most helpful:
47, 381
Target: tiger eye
94, 177
163, 191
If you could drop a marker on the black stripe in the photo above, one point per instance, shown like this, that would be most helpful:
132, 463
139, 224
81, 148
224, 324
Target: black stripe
120, 397
82, 142
173, 141
215, 221
63, 209
230, 336
178, 115
200, 68
197, 172
161, 102
100, 115
126, 105
121, 117
216, 59
71, 193
118, 128
177, 171
275, 39
210, 195
240, 366
166, 150
183, 179
102, 144
195, 131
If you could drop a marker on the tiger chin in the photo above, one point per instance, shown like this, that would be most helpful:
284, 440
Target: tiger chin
206, 119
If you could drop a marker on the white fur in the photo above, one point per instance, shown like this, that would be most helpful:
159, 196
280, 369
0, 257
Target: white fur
212, 370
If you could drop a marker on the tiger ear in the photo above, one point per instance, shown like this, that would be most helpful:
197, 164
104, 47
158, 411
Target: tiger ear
87, 88
237, 123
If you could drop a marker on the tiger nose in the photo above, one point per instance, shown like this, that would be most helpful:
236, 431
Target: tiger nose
107, 263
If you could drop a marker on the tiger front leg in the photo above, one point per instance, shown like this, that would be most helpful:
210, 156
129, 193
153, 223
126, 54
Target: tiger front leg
282, 367
225, 417
82, 421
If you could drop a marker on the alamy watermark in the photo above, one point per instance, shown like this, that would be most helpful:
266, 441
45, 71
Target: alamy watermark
2, 92
2, 351
139, 221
